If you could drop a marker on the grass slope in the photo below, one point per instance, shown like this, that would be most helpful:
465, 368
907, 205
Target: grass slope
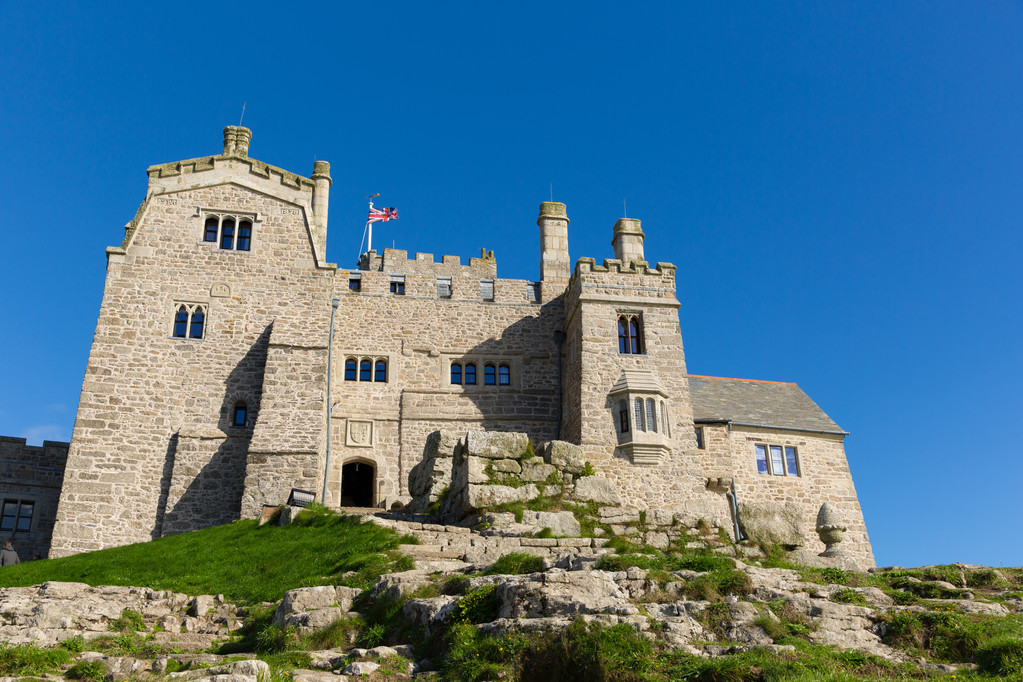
246, 563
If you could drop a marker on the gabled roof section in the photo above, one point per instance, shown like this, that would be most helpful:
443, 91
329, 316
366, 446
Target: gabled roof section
638, 381
757, 403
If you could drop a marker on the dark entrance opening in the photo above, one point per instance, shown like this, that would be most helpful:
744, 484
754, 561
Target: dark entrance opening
357, 484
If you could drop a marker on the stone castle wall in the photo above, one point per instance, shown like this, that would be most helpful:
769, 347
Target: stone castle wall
32, 473
155, 450
145, 392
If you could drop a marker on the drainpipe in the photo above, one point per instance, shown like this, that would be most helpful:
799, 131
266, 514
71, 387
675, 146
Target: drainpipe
735, 511
330, 396
559, 338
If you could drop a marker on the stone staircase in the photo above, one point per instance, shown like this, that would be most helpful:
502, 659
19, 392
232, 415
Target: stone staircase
459, 549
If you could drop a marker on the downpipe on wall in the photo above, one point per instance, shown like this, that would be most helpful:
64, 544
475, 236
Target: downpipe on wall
330, 398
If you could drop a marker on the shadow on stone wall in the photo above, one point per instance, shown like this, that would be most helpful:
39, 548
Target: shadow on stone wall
530, 403
204, 473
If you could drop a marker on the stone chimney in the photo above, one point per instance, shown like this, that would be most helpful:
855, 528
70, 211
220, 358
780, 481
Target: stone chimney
321, 194
236, 141
554, 263
628, 241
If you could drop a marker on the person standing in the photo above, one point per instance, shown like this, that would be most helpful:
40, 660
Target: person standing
8, 557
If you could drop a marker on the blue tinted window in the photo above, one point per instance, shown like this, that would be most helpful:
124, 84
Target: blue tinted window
365, 370
350, 369
227, 234
489, 375
210, 233
381, 371
181, 323
241, 413
244, 236
791, 465
195, 329
456, 373
504, 375
470, 374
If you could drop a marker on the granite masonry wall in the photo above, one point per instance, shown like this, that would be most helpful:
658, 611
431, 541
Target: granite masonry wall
156, 449
31, 474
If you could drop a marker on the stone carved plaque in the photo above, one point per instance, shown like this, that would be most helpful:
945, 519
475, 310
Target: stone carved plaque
220, 291
360, 434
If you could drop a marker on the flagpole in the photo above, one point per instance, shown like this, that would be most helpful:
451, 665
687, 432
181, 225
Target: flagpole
369, 226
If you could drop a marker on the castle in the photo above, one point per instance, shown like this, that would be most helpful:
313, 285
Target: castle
231, 364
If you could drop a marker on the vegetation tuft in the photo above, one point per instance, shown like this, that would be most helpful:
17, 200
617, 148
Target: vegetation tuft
515, 563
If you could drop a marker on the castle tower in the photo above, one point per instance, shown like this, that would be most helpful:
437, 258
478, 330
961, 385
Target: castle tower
555, 268
628, 241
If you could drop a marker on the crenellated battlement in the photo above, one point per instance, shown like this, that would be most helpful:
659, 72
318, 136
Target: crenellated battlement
613, 265
208, 163
397, 261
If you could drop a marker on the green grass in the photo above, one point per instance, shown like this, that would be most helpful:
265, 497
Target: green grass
26, 661
246, 563
515, 563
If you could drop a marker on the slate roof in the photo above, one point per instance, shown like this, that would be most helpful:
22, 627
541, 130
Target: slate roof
757, 403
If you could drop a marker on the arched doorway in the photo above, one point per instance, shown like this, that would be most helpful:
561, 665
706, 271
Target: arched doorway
357, 484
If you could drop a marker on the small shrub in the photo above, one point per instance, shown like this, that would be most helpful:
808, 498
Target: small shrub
849, 597
587, 470
129, 621
86, 670
544, 533
276, 638
714, 618
1001, 656
774, 628
74, 644
372, 635
438, 504
905, 631
479, 606
589, 652
987, 577
341, 633
515, 563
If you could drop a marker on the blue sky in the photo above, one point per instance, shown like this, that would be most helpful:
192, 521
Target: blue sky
839, 184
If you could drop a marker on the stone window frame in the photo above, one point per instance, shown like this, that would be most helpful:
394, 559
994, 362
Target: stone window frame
191, 307
701, 443
631, 340
769, 468
487, 287
505, 374
375, 360
355, 282
445, 287
533, 292
206, 214
17, 517
397, 285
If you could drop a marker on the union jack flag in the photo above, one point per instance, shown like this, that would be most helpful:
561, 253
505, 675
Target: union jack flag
381, 215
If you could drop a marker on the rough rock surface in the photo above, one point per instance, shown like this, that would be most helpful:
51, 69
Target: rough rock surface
772, 524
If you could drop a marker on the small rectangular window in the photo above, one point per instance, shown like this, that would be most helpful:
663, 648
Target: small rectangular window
444, 287
533, 292
762, 459
355, 282
777, 466
398, 285
487, 289
699, 437
791, 465
17, 515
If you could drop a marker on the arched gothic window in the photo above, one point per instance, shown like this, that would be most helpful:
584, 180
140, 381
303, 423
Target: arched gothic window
189, 321
227, 234
629, 337
380, 373
365, 370
350, 366
489, 375
210, 233
651, 415
470, 374
623, 416
639, 421
504, 375
456, 373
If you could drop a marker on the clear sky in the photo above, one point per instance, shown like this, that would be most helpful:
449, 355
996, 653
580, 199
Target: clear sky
839, 184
